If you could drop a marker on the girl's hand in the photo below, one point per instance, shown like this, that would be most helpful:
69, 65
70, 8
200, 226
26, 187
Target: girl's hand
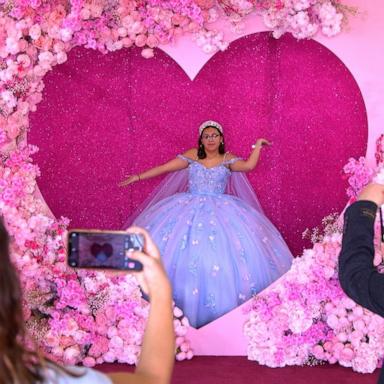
129, 180
260, 143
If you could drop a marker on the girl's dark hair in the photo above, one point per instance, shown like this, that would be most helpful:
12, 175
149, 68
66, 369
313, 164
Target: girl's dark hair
201, 154
17, 364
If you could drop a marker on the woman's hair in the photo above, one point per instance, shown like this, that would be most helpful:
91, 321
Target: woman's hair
14, 365
18, 365
201, 154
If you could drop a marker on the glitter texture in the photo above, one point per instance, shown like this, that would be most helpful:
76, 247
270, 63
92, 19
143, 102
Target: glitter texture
106, 116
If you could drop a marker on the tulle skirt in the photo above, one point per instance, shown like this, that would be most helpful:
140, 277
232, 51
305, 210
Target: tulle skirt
218, 251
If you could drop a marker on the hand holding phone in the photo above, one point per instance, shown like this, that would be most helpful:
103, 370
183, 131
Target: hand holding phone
103, 249
153, 278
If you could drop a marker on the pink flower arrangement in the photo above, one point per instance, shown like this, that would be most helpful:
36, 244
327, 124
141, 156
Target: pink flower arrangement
84, 316
305, 317
380, 151
358, 174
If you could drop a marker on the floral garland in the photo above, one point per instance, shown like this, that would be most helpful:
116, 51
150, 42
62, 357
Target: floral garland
91, 317
87, 317
305, 318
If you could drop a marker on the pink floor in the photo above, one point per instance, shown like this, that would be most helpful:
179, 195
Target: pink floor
238, 370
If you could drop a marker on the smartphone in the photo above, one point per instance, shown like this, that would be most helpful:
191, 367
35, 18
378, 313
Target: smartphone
103, 249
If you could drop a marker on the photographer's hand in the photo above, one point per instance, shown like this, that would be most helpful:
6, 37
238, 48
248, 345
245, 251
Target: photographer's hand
373, 192
158, 349
153, 278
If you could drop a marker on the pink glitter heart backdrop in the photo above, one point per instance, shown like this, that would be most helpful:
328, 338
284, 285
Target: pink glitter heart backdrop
106, 116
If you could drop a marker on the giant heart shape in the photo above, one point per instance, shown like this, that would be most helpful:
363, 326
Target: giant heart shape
105, 116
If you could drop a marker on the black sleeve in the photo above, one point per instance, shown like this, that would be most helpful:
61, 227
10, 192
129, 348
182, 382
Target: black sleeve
358, 277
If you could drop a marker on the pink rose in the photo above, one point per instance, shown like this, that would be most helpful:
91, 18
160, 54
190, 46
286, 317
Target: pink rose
318, 352
96, 10
205, 4
179, 20
116, 342
122, 32
39, 71
333, 321
342, 337
89, 362
23, 45
12, 45
140, 40
152, 41
112, 331
185, 321
35, 31
24, 60
177, 312
85, 13
338, 347
136, 27
181, 356
328, 346
71, 355
58, 47
127, 42
61, 57
66, 34
359, 325
346, 354
57, 351
46, 57
13, 131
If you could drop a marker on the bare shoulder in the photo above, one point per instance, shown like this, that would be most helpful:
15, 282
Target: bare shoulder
191, 153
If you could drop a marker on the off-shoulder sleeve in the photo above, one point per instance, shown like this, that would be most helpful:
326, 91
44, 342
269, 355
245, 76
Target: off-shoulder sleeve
231, 161
187, 159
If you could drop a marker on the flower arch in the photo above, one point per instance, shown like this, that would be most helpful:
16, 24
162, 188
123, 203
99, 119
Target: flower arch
90, 316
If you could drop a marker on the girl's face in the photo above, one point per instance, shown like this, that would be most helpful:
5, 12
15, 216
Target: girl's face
211, 139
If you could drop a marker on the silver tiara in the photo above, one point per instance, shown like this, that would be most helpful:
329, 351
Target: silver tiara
210, 123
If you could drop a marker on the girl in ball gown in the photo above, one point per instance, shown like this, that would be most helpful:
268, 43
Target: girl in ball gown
218, 247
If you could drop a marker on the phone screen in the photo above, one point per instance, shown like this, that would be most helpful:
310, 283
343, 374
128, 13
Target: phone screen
103, 249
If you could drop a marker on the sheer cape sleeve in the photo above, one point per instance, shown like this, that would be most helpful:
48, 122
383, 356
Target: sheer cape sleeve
238, 185
177, 182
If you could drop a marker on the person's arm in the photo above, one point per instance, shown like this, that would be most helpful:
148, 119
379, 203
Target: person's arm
249, 164
358, 277
170, 166
158, 350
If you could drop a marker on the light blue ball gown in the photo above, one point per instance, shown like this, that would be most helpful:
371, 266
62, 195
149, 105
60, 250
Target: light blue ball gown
218, 250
